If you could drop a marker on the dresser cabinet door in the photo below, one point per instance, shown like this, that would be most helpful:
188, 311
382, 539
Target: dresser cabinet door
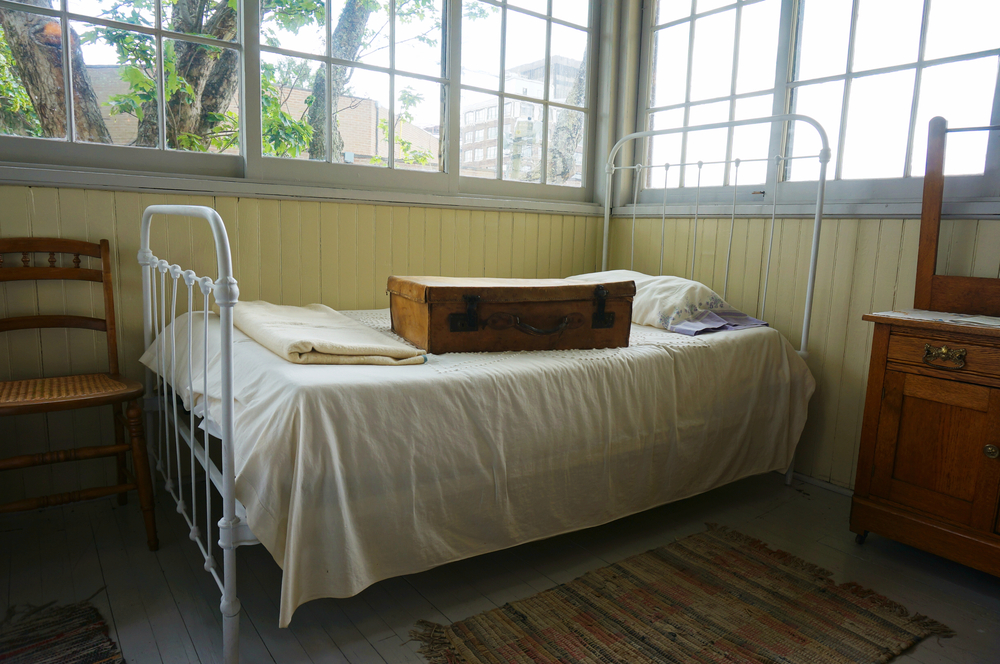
932, 453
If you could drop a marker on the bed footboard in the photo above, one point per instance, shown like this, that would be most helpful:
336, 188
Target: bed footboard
173, 425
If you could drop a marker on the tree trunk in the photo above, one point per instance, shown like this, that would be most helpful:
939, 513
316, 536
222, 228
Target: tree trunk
567, 133
346, 42
317, 120
212, 74
36, 44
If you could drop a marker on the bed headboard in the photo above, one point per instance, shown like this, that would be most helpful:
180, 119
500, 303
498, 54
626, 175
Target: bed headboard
823, 157
939, 292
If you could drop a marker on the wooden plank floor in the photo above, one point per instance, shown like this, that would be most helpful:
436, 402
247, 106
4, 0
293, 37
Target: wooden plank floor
163, 607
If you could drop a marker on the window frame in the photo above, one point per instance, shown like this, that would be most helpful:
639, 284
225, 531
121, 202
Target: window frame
897, 196
251, 166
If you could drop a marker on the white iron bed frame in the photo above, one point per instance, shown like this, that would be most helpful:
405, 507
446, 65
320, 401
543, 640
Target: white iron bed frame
172, 425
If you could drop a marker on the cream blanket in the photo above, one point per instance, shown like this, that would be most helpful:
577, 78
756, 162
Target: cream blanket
316, 334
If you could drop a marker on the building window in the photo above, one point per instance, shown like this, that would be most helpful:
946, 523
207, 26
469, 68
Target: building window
480, 134
479, 154
469, 136
529, 59
491, 152
468, 155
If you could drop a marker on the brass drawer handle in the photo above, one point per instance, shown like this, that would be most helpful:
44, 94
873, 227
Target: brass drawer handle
991, 451
945, 354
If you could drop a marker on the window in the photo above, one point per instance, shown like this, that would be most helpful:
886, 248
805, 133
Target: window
491, 152
469, 136
481, 134
115, 95
479, 154
529, 58
468, 155
858, 82
872, 72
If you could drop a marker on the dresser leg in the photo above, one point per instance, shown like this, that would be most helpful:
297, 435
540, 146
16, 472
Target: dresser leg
861, 537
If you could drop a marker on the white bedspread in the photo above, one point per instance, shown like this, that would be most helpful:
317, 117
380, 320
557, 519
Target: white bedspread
353, 474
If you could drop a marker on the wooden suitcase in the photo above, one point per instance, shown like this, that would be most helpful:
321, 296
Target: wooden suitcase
456, 315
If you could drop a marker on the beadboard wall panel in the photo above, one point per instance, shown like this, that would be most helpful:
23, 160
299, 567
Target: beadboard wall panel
287, 252
340, 254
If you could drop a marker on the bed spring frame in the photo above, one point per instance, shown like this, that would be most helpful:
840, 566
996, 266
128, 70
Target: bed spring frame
161, 282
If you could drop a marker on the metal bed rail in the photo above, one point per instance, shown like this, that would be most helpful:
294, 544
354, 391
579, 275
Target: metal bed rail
823, 157
173, 425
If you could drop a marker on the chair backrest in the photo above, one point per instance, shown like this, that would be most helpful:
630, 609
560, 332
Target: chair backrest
27, 246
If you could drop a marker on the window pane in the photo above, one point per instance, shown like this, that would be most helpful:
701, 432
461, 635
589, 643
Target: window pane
207, 19
877, 125
290, 126
670, 65
888, 33
540, 6
672, 10
481, 26
824, 28
525, 54
567, 74
565, 150
961, 93
707, 145
751, 141
373, 46
758, 46
708, 5
17, 114
360, 117
418, 37
522, 142
574, 11
474, 103
419, 117
121, 75
821, 102
210, 123
137, 13
962, 26
298, 27
665, 149
712, 59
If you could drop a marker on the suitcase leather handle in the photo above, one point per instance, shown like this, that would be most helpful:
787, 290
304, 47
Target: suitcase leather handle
502, 321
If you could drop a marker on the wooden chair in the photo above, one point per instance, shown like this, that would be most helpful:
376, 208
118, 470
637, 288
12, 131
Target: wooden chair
39, 395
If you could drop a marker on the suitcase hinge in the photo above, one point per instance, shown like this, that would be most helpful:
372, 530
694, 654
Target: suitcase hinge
469, 321
602, 319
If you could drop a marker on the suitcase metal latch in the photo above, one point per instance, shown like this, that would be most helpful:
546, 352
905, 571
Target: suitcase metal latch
602, 319
469, 321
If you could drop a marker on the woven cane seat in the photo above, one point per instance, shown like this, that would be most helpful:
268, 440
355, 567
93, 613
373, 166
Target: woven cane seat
65, 392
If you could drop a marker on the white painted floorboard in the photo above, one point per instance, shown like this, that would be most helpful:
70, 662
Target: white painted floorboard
163, 607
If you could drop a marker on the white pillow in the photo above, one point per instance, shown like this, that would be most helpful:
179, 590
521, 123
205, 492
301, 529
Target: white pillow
670, 302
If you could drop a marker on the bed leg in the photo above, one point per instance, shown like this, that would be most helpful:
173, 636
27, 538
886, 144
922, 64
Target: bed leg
790, 472
230, 608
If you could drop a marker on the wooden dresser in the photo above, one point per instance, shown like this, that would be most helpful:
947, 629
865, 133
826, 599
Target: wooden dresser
928, 471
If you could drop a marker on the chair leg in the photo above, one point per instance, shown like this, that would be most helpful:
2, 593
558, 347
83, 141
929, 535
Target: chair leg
140, 462
120, 440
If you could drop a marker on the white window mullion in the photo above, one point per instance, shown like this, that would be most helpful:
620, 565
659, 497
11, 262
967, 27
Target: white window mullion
67, 70
250, 111
453, 67
914, 106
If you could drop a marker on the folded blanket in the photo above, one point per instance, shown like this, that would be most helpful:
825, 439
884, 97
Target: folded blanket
316, 334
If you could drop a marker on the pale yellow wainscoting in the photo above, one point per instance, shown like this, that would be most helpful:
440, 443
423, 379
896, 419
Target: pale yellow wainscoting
340, 254
289, 252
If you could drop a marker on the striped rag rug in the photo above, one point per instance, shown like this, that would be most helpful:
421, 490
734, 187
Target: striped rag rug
67, 634
718, 596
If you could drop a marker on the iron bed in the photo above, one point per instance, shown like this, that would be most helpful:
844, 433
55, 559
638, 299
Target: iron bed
172, 425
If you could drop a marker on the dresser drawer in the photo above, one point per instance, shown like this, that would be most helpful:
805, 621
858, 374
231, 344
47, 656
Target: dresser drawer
949, 355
